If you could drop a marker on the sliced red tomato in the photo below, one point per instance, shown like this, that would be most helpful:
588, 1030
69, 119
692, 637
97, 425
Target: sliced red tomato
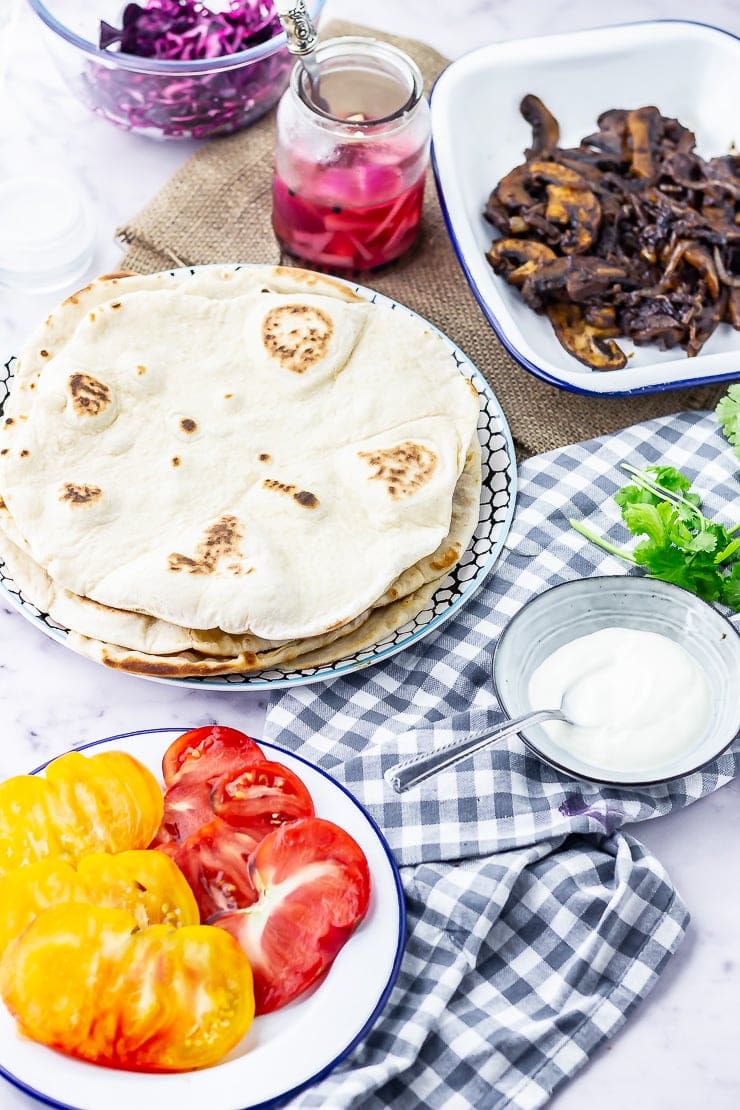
313, 883
260, 797
210, 751
187, 806
214, 860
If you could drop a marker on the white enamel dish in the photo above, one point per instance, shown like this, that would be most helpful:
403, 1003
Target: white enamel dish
283, 1052
688, 70
498, 496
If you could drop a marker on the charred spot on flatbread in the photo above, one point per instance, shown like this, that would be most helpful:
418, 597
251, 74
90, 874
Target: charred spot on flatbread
297, 335
264, 457
404, 468
222, 540
304, 497
80, 493
188, 425
89, 396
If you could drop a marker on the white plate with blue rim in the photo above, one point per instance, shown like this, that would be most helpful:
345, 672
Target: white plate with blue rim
498, 494
283, 1052
688, 70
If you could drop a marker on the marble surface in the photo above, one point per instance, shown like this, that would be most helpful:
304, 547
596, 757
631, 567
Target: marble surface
680, 1048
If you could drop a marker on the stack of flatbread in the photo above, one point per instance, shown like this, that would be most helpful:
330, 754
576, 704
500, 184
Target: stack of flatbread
234, 469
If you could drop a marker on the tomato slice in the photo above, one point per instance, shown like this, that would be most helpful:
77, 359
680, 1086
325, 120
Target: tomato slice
209, 751
187, 806
260, 797
146, 884
313, 883
214, 860
86, 981
104, 802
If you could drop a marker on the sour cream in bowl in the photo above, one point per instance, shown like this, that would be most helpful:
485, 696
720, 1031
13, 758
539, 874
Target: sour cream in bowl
648, 673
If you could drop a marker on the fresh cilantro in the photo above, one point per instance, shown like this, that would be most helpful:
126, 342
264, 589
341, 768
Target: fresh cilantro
678, 543
728, 414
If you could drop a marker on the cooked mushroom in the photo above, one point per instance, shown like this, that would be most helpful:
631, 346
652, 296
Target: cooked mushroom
630, 233
516, 259
545, 128
580, 210
583, 341
643, 128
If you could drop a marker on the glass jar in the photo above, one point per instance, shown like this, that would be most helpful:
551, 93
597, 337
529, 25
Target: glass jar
351, 156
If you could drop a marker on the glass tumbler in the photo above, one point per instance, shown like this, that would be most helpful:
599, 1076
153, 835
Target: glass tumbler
351, 156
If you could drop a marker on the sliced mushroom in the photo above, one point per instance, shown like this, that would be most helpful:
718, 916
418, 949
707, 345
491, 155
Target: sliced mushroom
638, 234
583, 341
516, 259
643, 128
556, 174
603, 317
545, 128
512, 191
705, 323
580, 210
699, 257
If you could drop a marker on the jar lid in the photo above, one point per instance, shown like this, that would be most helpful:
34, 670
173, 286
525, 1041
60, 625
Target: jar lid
46, 233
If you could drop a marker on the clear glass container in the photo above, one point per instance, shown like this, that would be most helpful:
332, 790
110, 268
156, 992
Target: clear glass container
156, 97
351, 156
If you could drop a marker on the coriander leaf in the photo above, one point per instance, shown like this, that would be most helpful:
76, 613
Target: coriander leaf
654, 521
671, 565
731, 589
670, 478
728, 414
634, 495
704, 541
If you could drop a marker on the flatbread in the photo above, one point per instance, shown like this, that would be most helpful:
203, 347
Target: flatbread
263, 462
190, 664
122, 635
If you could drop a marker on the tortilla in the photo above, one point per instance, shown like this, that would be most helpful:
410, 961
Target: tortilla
120, 635
253, 461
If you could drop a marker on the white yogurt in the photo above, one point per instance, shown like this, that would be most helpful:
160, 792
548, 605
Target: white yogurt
637, 699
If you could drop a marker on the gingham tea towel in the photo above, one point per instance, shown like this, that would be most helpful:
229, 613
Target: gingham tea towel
535, 924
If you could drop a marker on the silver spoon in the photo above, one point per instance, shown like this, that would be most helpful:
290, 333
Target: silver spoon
302, 41
411, 772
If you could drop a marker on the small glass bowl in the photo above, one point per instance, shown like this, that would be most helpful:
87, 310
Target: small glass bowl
157, 98
578, 608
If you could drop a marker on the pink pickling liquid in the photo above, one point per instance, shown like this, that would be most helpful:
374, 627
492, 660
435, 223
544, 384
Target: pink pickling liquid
345, 228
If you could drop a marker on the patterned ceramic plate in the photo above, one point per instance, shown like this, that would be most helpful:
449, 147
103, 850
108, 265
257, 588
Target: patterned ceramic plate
496, 511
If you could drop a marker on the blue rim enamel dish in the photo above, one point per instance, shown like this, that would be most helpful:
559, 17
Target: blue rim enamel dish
284, 1052
478, 135
498, 496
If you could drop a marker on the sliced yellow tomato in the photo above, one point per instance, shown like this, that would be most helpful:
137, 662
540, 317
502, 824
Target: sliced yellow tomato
85, 981
26, 891
107, 802
145, 883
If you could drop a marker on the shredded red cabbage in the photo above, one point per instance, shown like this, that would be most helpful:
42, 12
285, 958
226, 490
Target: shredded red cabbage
191, 105
183, 30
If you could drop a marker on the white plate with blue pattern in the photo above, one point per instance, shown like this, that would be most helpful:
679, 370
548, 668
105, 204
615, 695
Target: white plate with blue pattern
498, 495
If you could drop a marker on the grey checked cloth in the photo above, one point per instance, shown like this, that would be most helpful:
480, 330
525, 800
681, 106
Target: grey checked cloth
535, 924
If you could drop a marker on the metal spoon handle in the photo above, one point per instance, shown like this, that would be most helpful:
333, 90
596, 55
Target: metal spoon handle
300, 30
412, 772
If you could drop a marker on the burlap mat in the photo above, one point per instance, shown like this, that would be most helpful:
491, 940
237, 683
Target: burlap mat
217, 208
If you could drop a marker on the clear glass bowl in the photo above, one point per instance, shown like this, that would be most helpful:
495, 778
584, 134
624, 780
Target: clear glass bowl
162, 99
574, 609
